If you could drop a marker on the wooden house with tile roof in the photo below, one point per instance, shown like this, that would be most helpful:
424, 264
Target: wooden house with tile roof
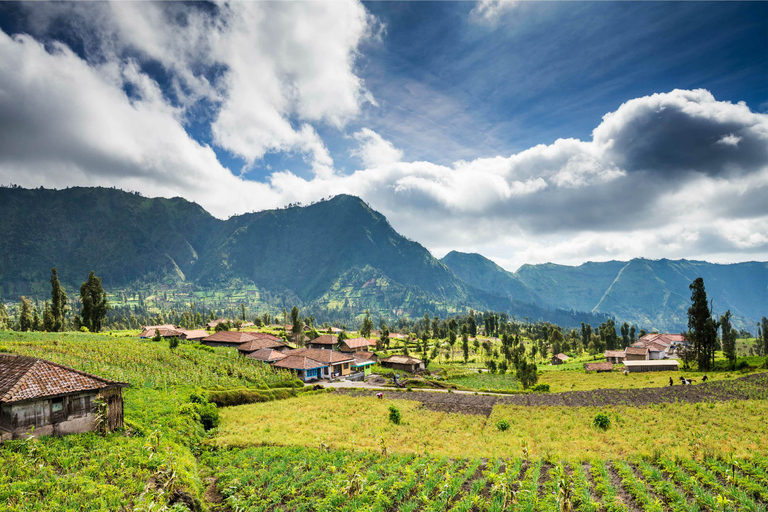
356, 344
231, 339
324, 341
38, 397
261, 341
338, 364
304, 367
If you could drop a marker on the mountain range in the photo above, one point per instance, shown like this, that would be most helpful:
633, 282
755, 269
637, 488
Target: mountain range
334, 256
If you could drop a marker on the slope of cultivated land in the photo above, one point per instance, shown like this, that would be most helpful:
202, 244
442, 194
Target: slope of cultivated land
343, 419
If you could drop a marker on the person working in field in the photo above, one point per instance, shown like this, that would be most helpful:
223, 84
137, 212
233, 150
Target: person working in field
671, 382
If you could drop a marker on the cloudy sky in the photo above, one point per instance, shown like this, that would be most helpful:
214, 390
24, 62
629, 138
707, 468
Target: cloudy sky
526, 131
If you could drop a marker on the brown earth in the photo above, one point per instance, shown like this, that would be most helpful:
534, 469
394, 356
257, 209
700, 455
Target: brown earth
750, 387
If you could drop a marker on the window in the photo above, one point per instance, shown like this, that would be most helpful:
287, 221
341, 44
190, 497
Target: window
57, 405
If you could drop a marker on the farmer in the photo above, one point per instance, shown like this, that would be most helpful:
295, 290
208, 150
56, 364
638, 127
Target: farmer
671, 382
704, 379
379, 395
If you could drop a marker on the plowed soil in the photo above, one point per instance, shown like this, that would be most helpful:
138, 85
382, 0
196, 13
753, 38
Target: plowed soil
745, 388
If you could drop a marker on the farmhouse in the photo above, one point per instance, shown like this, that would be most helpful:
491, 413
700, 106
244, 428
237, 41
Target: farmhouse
663, 365
197, 335
228, 339
40, 398
598, 367
266, 355
336, 363
363, 361
304, 367
356, 344
636, 354
560, 358
149, 330
405, 363
325, 341
261, 341
614, 356
213, 323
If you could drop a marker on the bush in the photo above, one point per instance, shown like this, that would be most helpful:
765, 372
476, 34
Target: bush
209, 416
173, 343
541, 388
394, 415
502, 425
83, 328
602, 421
5, 349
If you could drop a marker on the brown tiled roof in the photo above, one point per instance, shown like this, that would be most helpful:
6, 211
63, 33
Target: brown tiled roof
265, 336
594, 367
614, 353
164, 326
657, 347
636, 351
297, 362
25, 378
195, 335
247, 324
260, 343
662, 339
230, 337
359, 342
267, 355
322, 355
394, 335
562, 357
400, 360
213, 323
149, 332
325, 339
365, 355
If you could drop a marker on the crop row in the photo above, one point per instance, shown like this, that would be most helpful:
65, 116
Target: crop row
299, 479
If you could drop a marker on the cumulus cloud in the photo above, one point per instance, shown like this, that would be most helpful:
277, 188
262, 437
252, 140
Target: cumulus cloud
676, 174
489, 11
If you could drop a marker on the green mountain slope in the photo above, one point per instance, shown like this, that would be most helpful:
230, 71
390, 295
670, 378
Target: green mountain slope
484, 274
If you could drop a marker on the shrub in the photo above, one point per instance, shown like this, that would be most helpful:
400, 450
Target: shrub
173, 343
502, 425
602, 421
394, 415
541, 388
83, 328
209, 416
5, 349
197, 399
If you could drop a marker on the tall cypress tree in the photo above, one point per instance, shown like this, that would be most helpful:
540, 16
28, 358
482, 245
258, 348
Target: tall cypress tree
3, 317
702, 328
25, 315
58, 301
729, 338
95, 303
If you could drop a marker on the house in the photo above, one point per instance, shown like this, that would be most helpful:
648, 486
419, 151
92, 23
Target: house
560, 358
246, 324
305, 368
197, 335
41, 398
356, 344
663, 365
266, 355
149, 330
324, 341
636, 354
405, 363
262, 341
227, 339
598, 367
338, 363
213, 323
364, 361
396, 336
614, 356
335, 330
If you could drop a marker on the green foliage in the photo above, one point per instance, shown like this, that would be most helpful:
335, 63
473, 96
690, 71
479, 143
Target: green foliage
58, 302
95, 303
26, 321
173, 342
541, 388
502, 425
601, 421
394, 415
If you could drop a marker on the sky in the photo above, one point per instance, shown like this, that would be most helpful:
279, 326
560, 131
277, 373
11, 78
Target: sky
528, 132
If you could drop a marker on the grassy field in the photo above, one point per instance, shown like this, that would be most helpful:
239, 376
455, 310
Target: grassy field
558, 432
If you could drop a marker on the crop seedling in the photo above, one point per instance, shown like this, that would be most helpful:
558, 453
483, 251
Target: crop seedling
502, 425
394, 415
602, 421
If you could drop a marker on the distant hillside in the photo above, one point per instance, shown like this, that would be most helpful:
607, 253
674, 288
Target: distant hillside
653, 294
336, 255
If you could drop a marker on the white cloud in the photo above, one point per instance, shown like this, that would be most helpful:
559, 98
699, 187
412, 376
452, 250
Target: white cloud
374, 150
489, 11
730, 140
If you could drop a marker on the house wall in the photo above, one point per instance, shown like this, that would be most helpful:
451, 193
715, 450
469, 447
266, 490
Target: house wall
633, 357
402, 367
654, 368
656, 354
220, 344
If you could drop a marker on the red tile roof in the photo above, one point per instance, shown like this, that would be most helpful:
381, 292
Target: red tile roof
636, 351
230, 337
298, 362
359, 342
25, 378
195, 335
614, 353
267, 355
260, 343
562, 357
396, 359
322, 355
595, 367
325, 339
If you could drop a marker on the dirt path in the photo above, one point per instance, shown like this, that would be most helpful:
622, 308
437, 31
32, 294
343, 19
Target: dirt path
737, 389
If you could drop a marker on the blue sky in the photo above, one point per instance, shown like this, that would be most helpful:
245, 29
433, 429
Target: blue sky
470, 125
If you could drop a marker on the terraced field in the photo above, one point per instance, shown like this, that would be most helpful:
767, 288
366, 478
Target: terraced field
317, 479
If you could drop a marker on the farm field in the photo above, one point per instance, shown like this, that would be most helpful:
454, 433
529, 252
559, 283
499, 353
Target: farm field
308, 479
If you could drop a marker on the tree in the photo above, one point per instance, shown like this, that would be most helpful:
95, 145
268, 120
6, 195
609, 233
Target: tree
242, 311
435, 327
472, 324
384, 338
49, 324
632, 331
465, 342
95, 303
451, 340
367, 327
298, 327
556, 341
702, 328
729, 338
625, 334
765, 335
25, 315
4, 319
58, 302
